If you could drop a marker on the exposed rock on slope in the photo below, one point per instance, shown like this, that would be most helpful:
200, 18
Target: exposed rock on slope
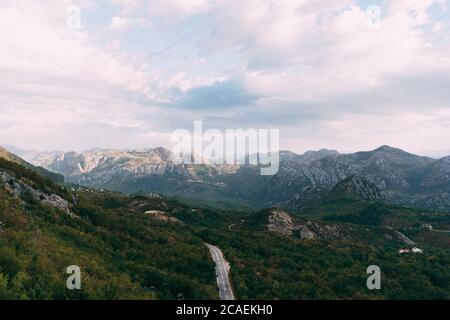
397, 174
105, 163
19, 189
354, 187
120, 170
316, 230
307, 157
281, 222
162, 216
401, 178
357, 187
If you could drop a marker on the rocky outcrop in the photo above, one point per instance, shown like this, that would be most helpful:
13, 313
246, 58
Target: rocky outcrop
280, 222
162, 216
18, 189
283, 223
312, 230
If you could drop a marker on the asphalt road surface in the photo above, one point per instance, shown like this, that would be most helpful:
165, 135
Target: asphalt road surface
222, 268
406, 239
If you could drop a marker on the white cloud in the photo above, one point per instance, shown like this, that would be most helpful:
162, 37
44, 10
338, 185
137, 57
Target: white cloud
302, 50
119, 23
314, 64
55, 79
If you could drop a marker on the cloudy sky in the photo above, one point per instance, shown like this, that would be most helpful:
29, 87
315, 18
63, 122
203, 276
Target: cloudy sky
327, 73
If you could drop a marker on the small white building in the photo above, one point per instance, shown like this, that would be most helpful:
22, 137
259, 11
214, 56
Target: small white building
417, 250
413, 250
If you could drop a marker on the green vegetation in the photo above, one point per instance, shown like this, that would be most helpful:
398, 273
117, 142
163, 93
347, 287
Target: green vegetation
267, 266
126, 253
123, 254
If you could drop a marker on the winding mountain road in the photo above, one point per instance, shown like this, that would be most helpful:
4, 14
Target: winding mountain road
441, 231
222, 268
406, 239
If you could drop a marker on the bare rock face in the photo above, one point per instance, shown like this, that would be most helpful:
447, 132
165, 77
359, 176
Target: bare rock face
102, 165
385, 174
17, 189
359, 187
162, 216
312, 230
306, 233
57, 202
280, 222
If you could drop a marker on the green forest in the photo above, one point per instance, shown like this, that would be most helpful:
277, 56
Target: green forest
124, 253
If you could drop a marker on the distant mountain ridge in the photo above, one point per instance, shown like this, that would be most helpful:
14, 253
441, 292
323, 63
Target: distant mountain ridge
5, 154
351, 188
308, 156
149, 247
401, 177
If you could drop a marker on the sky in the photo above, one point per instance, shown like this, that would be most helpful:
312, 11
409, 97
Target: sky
338, 74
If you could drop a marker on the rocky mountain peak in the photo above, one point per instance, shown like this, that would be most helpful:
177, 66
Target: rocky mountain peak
320, 153
301, 181
163, 153
386, 148
395, 155
307, 157
357, 187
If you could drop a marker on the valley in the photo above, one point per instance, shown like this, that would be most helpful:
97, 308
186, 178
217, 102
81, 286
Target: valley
145, 245
399, 177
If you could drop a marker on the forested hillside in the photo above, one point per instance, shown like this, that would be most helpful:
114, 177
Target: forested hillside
122, 252
148, 247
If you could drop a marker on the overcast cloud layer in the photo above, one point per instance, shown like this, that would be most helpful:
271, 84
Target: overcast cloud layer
324, 72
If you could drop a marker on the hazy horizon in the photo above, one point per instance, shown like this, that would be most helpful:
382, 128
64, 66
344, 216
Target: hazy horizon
14, 148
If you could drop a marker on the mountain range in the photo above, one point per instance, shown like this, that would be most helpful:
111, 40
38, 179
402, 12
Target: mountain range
400, 177
7, 155
147, 246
